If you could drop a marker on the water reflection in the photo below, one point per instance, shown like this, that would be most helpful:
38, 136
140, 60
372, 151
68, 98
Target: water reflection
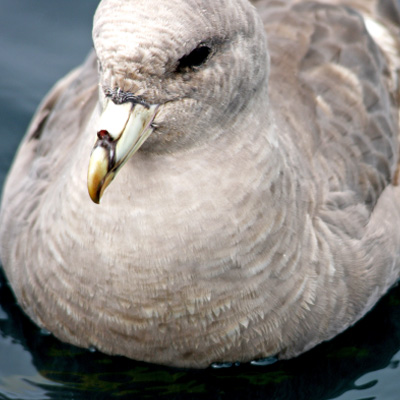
39, 366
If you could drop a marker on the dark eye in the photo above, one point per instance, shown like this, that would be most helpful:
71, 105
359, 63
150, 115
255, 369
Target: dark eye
194, 59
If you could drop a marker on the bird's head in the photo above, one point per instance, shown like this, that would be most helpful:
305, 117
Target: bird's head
172, 74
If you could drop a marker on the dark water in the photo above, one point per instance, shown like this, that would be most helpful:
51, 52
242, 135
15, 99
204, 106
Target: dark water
39, 42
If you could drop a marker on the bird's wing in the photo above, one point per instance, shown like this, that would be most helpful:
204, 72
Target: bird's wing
338, 88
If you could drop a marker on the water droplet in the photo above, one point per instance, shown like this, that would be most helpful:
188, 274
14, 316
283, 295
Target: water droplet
221, 365
262, 362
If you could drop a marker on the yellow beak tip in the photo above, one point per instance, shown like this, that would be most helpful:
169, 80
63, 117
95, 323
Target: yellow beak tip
95, 199
94, 193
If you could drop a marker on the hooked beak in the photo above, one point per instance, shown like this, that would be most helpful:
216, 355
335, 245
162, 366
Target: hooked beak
123, 128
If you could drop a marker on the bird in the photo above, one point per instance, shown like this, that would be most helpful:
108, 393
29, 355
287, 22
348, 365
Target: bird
217, 182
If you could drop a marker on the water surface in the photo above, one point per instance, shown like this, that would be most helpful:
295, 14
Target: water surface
40, 41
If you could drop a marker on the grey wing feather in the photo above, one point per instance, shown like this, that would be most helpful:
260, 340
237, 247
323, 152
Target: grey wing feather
345, 77
55, 128
81, 78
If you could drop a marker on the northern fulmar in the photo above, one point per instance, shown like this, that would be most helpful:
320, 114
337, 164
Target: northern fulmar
260, 213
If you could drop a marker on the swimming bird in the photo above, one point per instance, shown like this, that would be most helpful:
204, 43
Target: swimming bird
246, 161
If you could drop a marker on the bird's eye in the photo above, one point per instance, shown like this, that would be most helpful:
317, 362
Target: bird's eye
194, 59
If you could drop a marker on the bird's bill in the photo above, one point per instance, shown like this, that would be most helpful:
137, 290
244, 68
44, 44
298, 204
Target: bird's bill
122, 129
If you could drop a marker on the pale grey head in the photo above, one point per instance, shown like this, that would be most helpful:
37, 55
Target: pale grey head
177, 54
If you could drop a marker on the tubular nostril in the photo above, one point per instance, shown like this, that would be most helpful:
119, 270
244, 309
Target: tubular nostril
103, 134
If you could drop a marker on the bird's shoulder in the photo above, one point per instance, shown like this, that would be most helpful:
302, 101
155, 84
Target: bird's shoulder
67, 101
337, 89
